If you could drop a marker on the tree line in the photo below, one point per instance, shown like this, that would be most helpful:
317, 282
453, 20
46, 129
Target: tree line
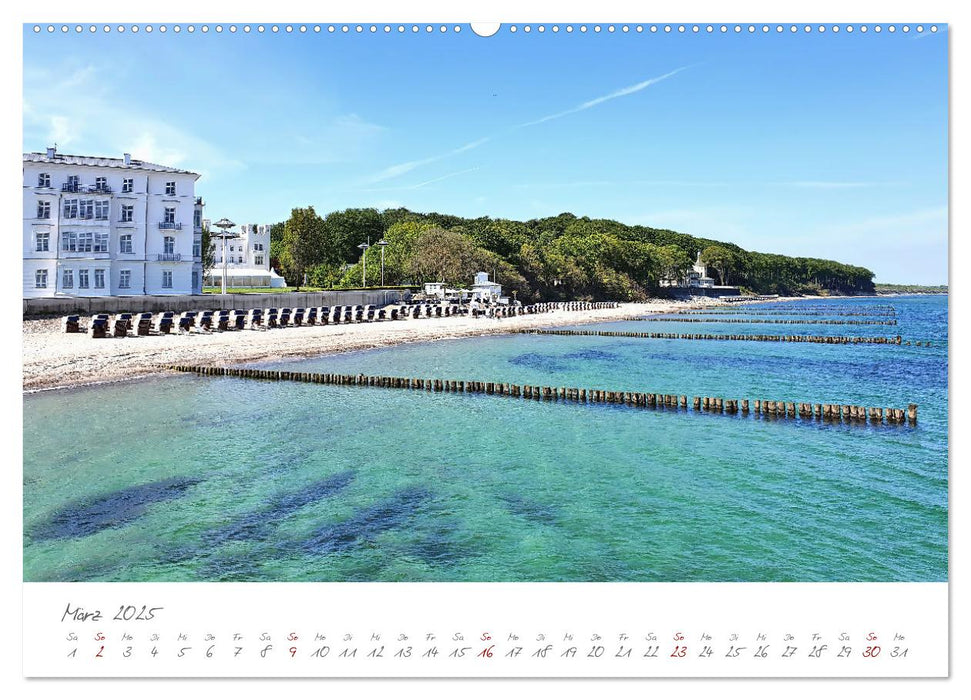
553, 258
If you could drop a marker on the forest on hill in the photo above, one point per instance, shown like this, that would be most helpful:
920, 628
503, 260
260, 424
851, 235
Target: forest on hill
558, 257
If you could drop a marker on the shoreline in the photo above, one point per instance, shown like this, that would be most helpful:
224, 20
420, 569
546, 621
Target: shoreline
54, 360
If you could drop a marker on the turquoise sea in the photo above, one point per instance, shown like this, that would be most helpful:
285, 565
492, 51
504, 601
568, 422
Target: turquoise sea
219, 479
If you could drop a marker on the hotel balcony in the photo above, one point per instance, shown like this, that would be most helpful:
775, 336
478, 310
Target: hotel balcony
86, 189
170, 225
168, 257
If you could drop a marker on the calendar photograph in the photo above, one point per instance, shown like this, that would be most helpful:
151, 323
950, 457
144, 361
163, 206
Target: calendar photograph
452, 303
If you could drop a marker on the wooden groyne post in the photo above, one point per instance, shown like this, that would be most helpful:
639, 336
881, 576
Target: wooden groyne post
859, 415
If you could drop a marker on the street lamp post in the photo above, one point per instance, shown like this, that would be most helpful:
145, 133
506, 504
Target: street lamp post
364, 247
223, 224
382, 243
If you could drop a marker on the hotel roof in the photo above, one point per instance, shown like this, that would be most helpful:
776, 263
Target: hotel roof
133, 164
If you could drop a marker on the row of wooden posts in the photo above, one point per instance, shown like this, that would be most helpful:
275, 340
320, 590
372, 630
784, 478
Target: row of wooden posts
826, 339
827, 307
746, 312
828, 322
709, 404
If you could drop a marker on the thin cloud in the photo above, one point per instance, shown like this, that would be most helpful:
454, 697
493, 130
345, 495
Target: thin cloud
629, 90
829, 185
443, 177
419, 185
402, 168
91, 122
619, 183
406, 167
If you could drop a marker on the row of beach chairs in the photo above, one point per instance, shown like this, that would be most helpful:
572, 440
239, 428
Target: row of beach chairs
123, 324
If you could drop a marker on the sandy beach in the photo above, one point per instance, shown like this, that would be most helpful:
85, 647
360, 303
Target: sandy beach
53, 359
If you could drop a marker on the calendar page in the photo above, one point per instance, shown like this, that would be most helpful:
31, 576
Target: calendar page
414, 348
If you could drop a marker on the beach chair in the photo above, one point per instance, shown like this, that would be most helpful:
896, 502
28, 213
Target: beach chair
284, 317
187, 321
165, 322
255, 318
358, 313
72, 324
369, 313
204, 320
347, 314
271, 318
237, 320
122, 322
298, 316
99, 326
142, 323
310, 318
323, 315
221, 320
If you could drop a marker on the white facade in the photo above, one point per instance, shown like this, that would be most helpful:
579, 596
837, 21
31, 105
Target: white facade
109, 227
247, 258
250, 251
484, 290
698, 275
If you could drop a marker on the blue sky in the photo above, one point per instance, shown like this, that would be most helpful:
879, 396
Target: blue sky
829, 145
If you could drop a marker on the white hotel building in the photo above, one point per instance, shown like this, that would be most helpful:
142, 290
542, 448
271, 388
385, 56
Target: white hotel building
109, 227
247, 260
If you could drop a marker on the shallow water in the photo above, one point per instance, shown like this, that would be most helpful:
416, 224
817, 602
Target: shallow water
196, 478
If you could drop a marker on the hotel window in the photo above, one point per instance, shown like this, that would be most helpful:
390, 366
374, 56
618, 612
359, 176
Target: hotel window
99, 278
127, 212
70, 208
124, 243
69, 242
82, 279
101, 184
44, 180
86, 209
40, 279
43, 210
169, 215
101, 242
166, 279
85, 242
127, 185
67, 279
258, 260
195, 280
168, 245
124, 279
170, 189
101, 210
197, 219
43, 242
73, 183
197, 249
232, 249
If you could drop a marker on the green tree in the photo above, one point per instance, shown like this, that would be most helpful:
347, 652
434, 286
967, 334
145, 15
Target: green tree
208, 252
720, 258
276, 245
303, 243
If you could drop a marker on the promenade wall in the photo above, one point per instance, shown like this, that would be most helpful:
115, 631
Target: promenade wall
201, 302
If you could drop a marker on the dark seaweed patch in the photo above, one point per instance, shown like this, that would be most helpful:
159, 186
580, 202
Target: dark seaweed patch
592, 356
443, 544
530, 510
256, 524
367, 523
87, 517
